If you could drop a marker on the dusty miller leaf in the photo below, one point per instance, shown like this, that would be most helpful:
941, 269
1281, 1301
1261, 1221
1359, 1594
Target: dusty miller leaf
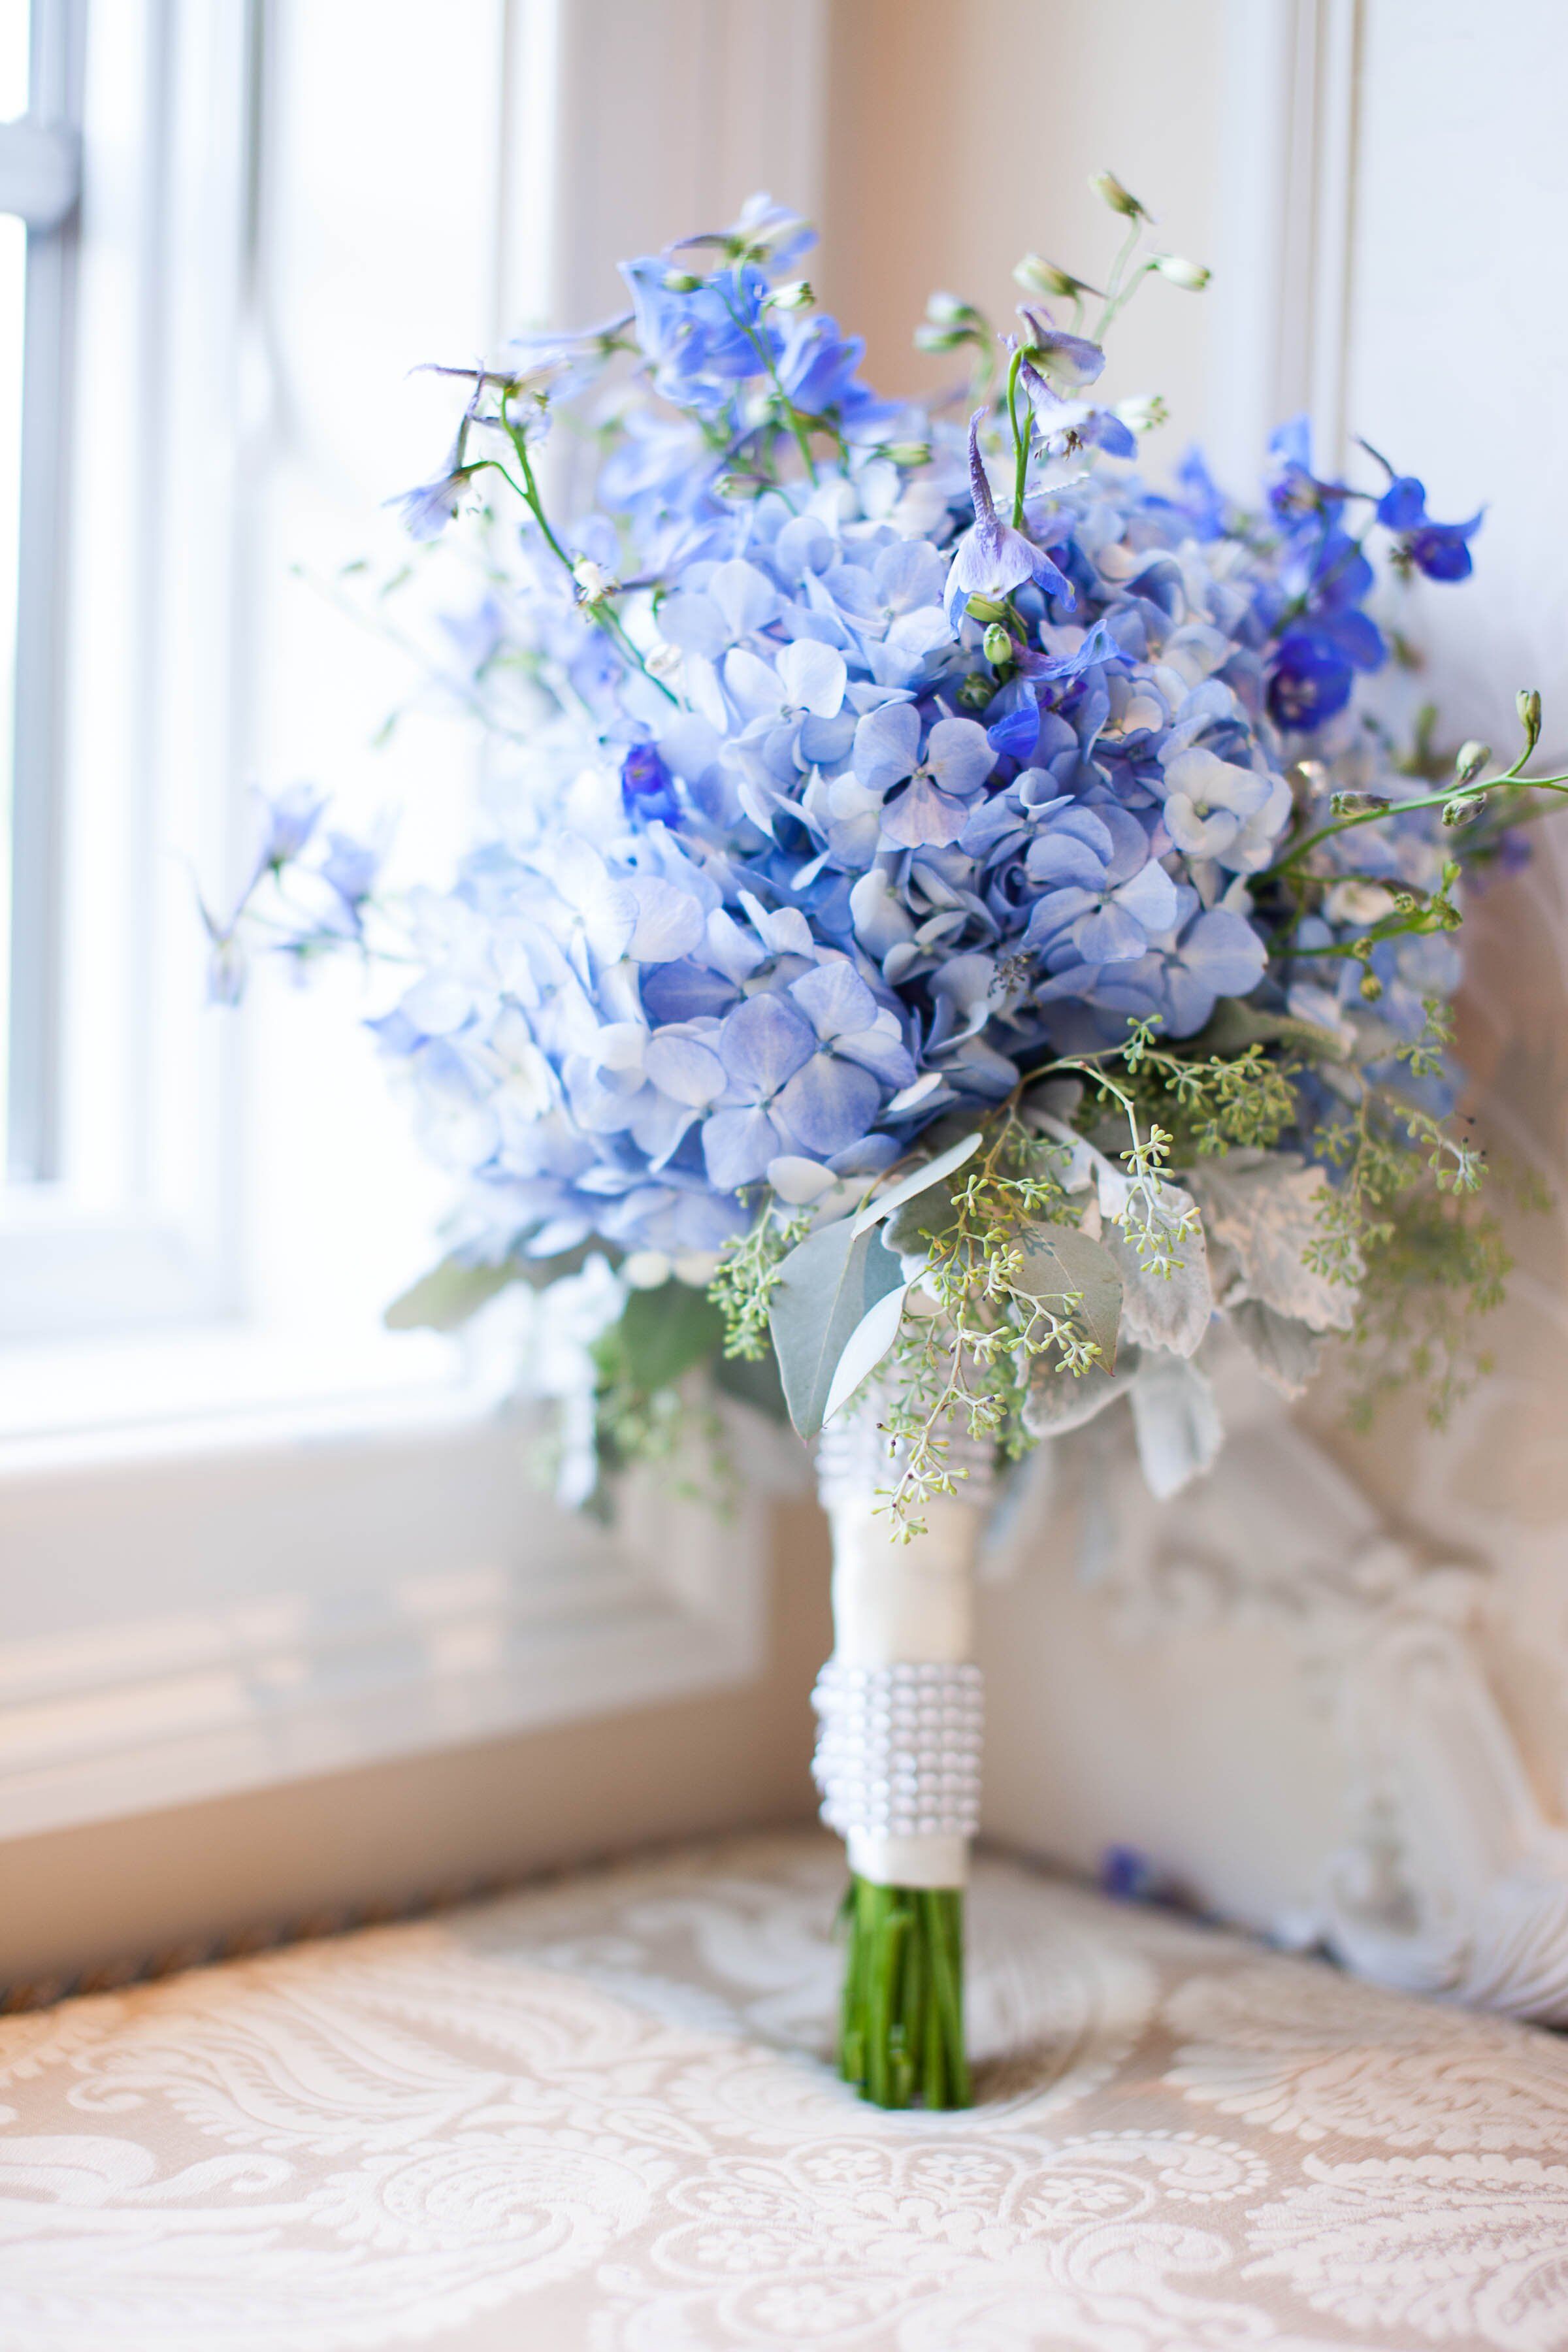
1265, 1207
1059, 1401
1163, 1310
1058, 1260
1286, 1353
1177, 1424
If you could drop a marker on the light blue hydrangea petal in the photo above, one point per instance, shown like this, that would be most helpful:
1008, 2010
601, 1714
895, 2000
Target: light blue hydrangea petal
830, 1104
737, 1146
835, 999
668, 921
886, 745
684, 1068
922, 817
959, 756
763, 1042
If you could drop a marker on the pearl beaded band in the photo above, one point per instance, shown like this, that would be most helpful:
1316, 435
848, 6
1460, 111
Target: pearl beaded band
897, 1750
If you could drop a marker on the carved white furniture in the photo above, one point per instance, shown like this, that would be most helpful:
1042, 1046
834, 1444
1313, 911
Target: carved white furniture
1391, 1771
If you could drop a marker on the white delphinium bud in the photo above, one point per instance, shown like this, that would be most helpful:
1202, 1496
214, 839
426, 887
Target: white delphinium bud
1040, 276
1358, 902
1192, 275
1472, 758
797, 295
1109, 191
1142, 413
593, 581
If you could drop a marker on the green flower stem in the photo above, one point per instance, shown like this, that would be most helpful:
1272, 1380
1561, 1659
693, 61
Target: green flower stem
900, 2036
1114, 297
1511, 781
759, 344
1020, 441
601, 610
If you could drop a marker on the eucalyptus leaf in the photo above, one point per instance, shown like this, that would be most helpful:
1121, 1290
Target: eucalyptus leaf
755, 1382
827, 1287
918, 1180
870, 1341
662, 1333
1235, 1026
1058, 1260
442, 1299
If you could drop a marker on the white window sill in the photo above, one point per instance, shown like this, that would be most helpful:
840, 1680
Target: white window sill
232, 1561
70, 1404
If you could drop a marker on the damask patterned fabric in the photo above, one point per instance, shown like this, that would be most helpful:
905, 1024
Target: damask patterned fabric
598, 2115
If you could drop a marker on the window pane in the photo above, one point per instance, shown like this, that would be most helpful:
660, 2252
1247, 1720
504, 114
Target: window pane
15, 44
13, 284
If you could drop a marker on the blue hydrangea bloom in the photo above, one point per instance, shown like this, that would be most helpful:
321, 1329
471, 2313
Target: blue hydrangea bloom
865, 766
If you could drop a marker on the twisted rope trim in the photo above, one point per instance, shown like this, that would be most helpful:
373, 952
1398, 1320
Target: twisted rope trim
898, 1749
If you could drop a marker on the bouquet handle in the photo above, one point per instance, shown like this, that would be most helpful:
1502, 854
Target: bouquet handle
898, 1762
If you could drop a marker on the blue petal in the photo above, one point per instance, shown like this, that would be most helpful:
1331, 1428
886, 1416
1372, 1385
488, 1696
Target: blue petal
1057, 857
835, 998
886, 745
1014, 732
737, 1146
764, 1041
1403, 506
830, 1104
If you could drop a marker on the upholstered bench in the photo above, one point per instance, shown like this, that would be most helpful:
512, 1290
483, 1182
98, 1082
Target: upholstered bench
600, 2114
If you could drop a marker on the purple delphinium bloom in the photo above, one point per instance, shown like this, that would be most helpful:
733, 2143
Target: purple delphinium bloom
1066, 424
427, 509
992, 559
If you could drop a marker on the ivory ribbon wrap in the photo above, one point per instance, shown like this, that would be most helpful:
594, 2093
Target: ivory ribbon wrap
894, 1741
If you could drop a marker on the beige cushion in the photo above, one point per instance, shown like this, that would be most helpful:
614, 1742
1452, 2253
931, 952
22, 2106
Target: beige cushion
598, 2115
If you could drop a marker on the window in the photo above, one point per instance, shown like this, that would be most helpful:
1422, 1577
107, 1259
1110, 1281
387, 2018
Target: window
245, 1533
40, 185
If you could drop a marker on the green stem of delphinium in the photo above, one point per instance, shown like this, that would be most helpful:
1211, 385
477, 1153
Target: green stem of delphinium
900, 2036
1021, 438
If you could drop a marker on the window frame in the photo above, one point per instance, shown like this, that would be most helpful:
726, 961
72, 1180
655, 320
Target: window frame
155, 1653
40, 180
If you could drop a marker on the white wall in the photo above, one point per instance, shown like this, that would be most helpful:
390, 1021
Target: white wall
1210, 1747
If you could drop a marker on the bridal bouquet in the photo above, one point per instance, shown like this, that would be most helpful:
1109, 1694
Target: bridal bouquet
946, 946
